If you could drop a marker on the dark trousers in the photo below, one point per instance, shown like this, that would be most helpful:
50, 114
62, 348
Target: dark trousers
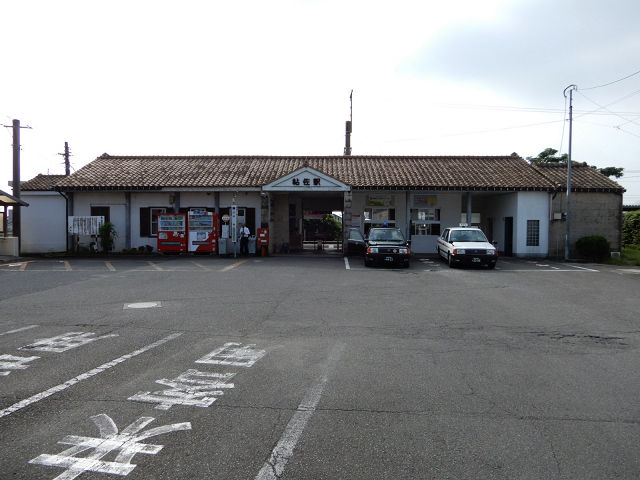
244, 246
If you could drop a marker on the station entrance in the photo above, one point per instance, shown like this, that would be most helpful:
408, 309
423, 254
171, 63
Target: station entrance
305, 213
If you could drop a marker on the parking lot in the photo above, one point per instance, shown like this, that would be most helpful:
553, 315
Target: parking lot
317, 368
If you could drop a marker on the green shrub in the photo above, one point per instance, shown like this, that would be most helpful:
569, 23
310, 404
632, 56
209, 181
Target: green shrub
107, 234
631, 228
593, 247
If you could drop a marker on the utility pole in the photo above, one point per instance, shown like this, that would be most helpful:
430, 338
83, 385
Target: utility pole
347, 143
67, 163
16, 177
567, 242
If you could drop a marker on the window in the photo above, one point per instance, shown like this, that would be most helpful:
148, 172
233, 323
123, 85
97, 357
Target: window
533, 233
101, 212
425, 228
425, 221
425, 214
149, 220
153, 225
379, 214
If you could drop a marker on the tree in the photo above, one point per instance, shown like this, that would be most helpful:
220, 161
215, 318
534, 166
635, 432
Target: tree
631, 228
548, 155
611, 171
332, 226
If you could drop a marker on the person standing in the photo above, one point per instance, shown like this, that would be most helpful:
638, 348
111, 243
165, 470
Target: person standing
244, 239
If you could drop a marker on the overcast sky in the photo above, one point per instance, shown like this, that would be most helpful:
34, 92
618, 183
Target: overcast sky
273, 78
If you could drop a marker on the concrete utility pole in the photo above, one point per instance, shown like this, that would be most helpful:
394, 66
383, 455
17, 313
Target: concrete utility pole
567, 242
16, 178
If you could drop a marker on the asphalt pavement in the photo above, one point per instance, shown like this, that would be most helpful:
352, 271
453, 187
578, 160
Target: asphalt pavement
317, 368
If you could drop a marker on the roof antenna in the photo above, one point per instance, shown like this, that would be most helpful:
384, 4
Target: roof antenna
347, 141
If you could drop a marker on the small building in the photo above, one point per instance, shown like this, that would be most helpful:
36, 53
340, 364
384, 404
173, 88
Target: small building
504, 195
596, 206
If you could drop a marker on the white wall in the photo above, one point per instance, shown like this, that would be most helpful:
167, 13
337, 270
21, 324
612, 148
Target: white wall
532, 206
83, 201
144, 200
449, 205
43, 222
501, 206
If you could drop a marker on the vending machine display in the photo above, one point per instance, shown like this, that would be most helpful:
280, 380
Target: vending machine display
203, 231
172, 232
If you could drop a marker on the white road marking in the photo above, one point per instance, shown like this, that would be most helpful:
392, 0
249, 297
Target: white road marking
11, 362
583, 268
629, 270
233, 354
508, 270
110, 266
346, 263
95, 371
156, 267
127, 443
199, 265
192, 388
19, 330
273, 468
64, 342
142, 305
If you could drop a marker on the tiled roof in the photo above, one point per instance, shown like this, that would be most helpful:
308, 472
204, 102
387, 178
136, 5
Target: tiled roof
41, 182
455, 173
583, 178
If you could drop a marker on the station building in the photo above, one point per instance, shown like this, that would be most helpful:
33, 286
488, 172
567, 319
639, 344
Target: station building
508, 198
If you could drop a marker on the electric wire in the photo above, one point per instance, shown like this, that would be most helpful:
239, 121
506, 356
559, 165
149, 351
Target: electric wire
611, 83
605, 107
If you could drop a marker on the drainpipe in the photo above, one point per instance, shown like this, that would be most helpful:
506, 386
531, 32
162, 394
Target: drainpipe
127, 213
67, 202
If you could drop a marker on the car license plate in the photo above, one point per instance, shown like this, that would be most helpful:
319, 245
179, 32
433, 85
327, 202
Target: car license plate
388, 259
475, 259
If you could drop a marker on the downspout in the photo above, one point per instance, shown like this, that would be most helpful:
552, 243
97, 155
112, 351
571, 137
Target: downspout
67, 200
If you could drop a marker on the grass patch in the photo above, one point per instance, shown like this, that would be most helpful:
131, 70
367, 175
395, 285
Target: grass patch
630, 256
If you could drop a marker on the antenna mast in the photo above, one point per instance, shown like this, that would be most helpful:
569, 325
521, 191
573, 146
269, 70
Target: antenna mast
347, 143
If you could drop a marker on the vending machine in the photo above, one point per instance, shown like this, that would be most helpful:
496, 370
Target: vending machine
203, 231
172, 232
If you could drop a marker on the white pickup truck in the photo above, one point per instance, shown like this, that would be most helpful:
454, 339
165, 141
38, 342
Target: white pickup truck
466, 246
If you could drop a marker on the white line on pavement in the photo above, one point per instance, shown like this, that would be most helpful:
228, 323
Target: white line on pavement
19, 329
346, 263
84, 376
273, 468
583, 268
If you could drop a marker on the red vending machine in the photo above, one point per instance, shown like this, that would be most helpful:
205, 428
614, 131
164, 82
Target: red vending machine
172, 232
203, 231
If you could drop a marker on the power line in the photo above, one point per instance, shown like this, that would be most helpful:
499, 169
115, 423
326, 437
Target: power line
604, 107
611, 83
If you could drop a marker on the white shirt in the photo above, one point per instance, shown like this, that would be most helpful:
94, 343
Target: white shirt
244, 232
